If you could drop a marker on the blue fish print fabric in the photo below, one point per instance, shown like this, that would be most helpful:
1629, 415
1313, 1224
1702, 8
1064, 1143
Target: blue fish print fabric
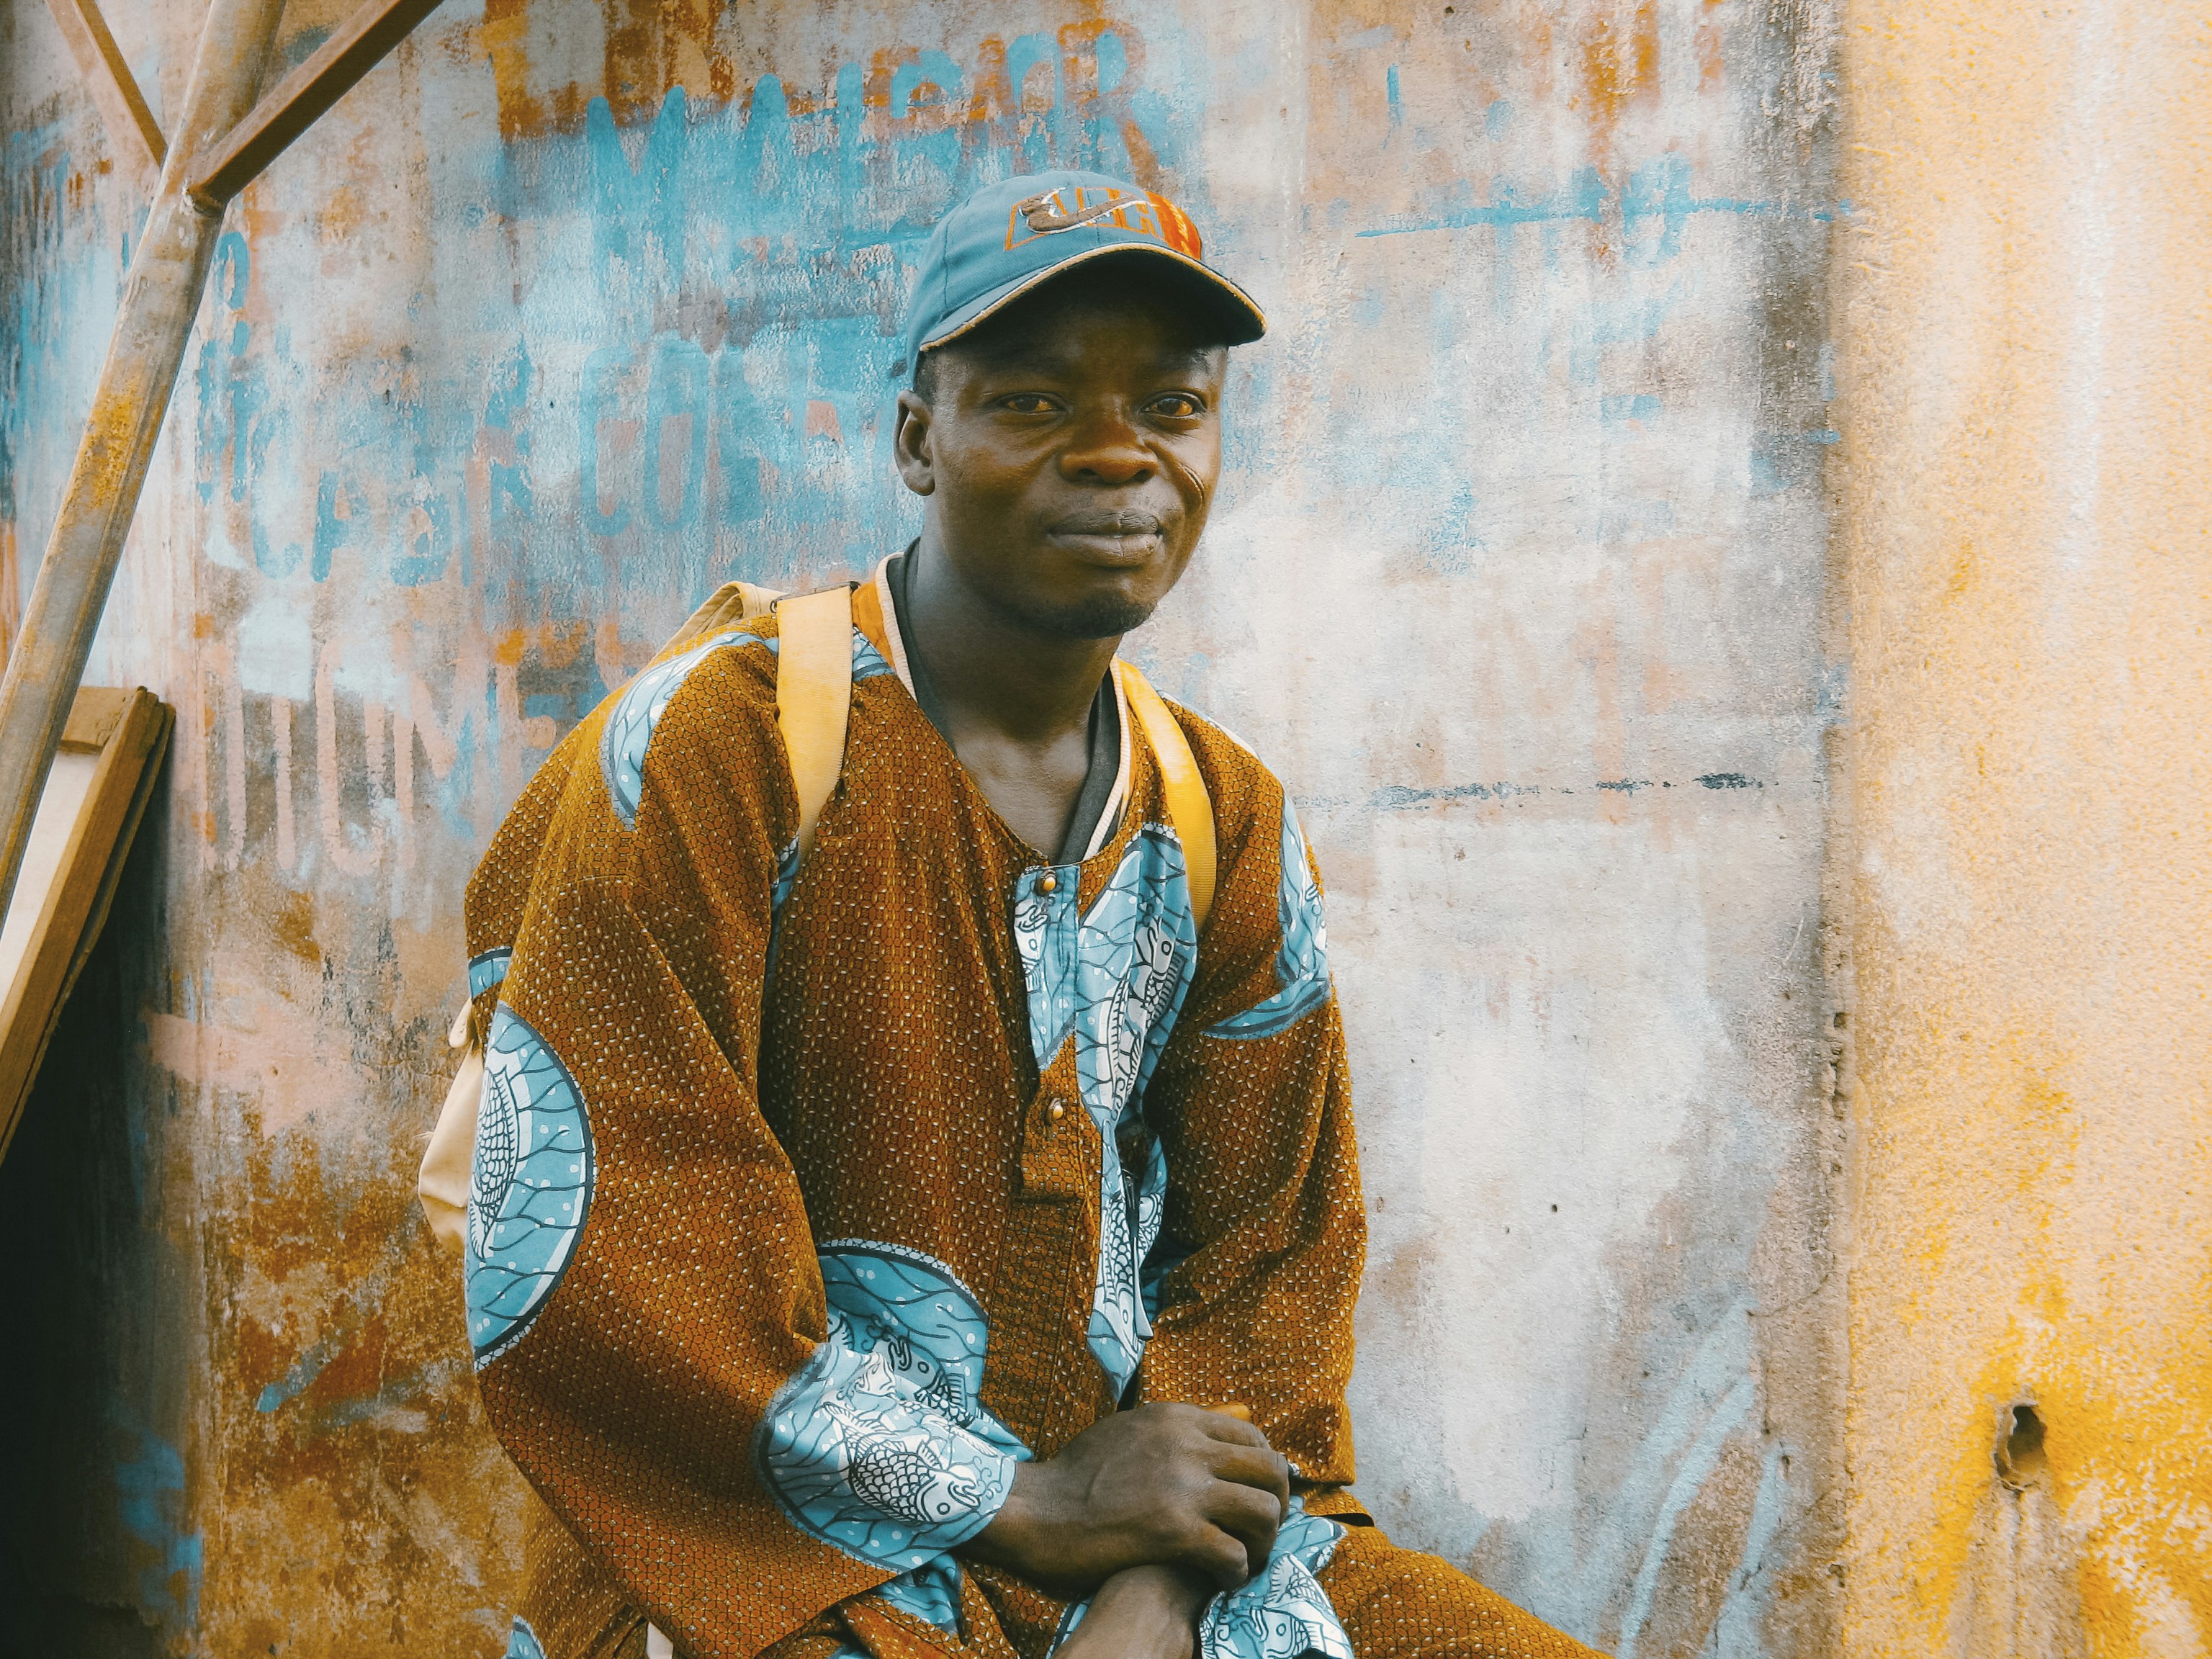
1302, 963
1280, 1613
488, 970
522, 1642
880, 1445
1116, 977
529, 1185
629, 730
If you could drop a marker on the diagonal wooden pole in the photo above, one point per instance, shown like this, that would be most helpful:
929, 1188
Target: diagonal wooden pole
298, 101
159, 299
133, 134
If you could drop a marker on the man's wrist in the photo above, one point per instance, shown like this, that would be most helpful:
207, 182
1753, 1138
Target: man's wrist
1182, 1591
1012, 1537
1154, 1593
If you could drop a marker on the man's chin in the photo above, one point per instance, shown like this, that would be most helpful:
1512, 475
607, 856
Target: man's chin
1106, 616
1094, 617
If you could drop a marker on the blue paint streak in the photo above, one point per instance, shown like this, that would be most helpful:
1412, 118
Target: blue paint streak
1738, 1632
1658, 192
149, 1497
305, 1370
1690, 1477
927, 68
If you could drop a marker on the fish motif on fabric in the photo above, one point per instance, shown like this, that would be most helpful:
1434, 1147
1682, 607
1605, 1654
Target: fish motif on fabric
879, 1445
1115, 977
1282, 1612
1302, 960
530, 1184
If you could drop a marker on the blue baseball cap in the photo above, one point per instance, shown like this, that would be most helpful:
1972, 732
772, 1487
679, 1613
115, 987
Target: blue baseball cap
1010, 237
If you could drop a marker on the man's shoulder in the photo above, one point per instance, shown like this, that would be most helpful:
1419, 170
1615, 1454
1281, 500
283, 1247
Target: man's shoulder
712, 699
1247, 797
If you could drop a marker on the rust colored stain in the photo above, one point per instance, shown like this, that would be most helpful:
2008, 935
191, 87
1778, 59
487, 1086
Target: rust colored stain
652, 50
1618, 58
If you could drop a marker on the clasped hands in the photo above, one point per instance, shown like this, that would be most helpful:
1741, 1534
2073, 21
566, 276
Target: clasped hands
1150, 1511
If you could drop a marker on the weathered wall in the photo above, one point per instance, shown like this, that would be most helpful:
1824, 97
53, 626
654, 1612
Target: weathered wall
2025, 528
1517, 577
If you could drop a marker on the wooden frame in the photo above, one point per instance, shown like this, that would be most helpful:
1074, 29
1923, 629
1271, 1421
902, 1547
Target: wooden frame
89, 813
298, 101
132, 132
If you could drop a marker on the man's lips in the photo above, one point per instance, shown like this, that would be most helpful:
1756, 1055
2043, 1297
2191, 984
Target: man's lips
1123, 521
1127, 536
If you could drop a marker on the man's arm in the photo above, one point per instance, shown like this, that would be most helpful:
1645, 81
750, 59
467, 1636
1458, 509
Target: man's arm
649, 1312
1254, 1280
1142, 1613
1166, 1485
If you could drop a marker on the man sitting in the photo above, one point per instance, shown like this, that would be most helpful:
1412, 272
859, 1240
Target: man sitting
934, 1228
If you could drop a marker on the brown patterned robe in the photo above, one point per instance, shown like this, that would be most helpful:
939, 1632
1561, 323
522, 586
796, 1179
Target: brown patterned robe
803, 1208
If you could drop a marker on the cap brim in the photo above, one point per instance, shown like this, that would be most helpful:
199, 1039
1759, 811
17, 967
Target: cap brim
1245, 321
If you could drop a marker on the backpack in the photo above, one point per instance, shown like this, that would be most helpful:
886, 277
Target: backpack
813, 705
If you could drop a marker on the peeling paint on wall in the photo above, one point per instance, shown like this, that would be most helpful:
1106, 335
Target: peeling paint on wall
569, 312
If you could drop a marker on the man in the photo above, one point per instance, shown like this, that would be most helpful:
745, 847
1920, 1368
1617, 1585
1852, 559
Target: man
910, 1232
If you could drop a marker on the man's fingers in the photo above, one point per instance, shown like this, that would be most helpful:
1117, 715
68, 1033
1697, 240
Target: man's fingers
1256, 1466
1220, 1557
1232, 1429
1248, 1515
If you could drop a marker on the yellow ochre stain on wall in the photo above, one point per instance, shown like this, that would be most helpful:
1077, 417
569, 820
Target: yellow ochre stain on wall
2023, 852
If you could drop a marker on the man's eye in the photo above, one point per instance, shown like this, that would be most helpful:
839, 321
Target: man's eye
1028, 403
1178, 406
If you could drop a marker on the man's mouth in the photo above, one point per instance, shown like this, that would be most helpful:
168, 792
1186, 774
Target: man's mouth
1120, 536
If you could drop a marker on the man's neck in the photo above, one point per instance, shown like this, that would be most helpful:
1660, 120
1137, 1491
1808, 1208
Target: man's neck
995, 675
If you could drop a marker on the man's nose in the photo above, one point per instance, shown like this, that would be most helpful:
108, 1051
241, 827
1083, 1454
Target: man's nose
1108, 449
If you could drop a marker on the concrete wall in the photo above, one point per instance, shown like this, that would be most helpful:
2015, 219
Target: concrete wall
2025, 531
1517, 577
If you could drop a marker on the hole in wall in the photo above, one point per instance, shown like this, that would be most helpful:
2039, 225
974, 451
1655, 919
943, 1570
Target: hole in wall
2019, 1457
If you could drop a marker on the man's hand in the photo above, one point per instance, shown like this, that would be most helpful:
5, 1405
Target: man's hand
1161, 1485
1142, 1612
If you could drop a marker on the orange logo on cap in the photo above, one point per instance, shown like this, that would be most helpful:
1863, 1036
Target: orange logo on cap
1144, 215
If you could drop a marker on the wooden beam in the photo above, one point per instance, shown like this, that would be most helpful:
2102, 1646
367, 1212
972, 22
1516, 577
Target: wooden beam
131, 127
88, 815
296, 101
169, 275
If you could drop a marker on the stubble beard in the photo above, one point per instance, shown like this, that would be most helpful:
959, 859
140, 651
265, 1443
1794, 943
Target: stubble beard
1103, 616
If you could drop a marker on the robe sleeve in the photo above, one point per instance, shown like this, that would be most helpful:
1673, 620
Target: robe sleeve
650, 1331
1256, 1272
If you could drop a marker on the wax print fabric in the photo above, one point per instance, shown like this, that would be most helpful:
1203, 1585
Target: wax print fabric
809, 1201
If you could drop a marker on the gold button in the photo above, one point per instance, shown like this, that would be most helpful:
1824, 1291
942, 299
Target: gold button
1055, 1111
1049, 883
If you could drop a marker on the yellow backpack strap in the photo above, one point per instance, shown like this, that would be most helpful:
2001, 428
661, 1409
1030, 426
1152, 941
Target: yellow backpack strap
1189, 807
814, 696
726, 607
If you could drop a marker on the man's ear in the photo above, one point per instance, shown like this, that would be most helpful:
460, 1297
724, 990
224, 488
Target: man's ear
910, 444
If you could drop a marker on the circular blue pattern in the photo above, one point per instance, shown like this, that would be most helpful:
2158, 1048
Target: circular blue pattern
879, 1444
530, 1190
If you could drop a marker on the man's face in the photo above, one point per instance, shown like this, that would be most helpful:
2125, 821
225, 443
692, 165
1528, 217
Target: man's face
1069, 456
